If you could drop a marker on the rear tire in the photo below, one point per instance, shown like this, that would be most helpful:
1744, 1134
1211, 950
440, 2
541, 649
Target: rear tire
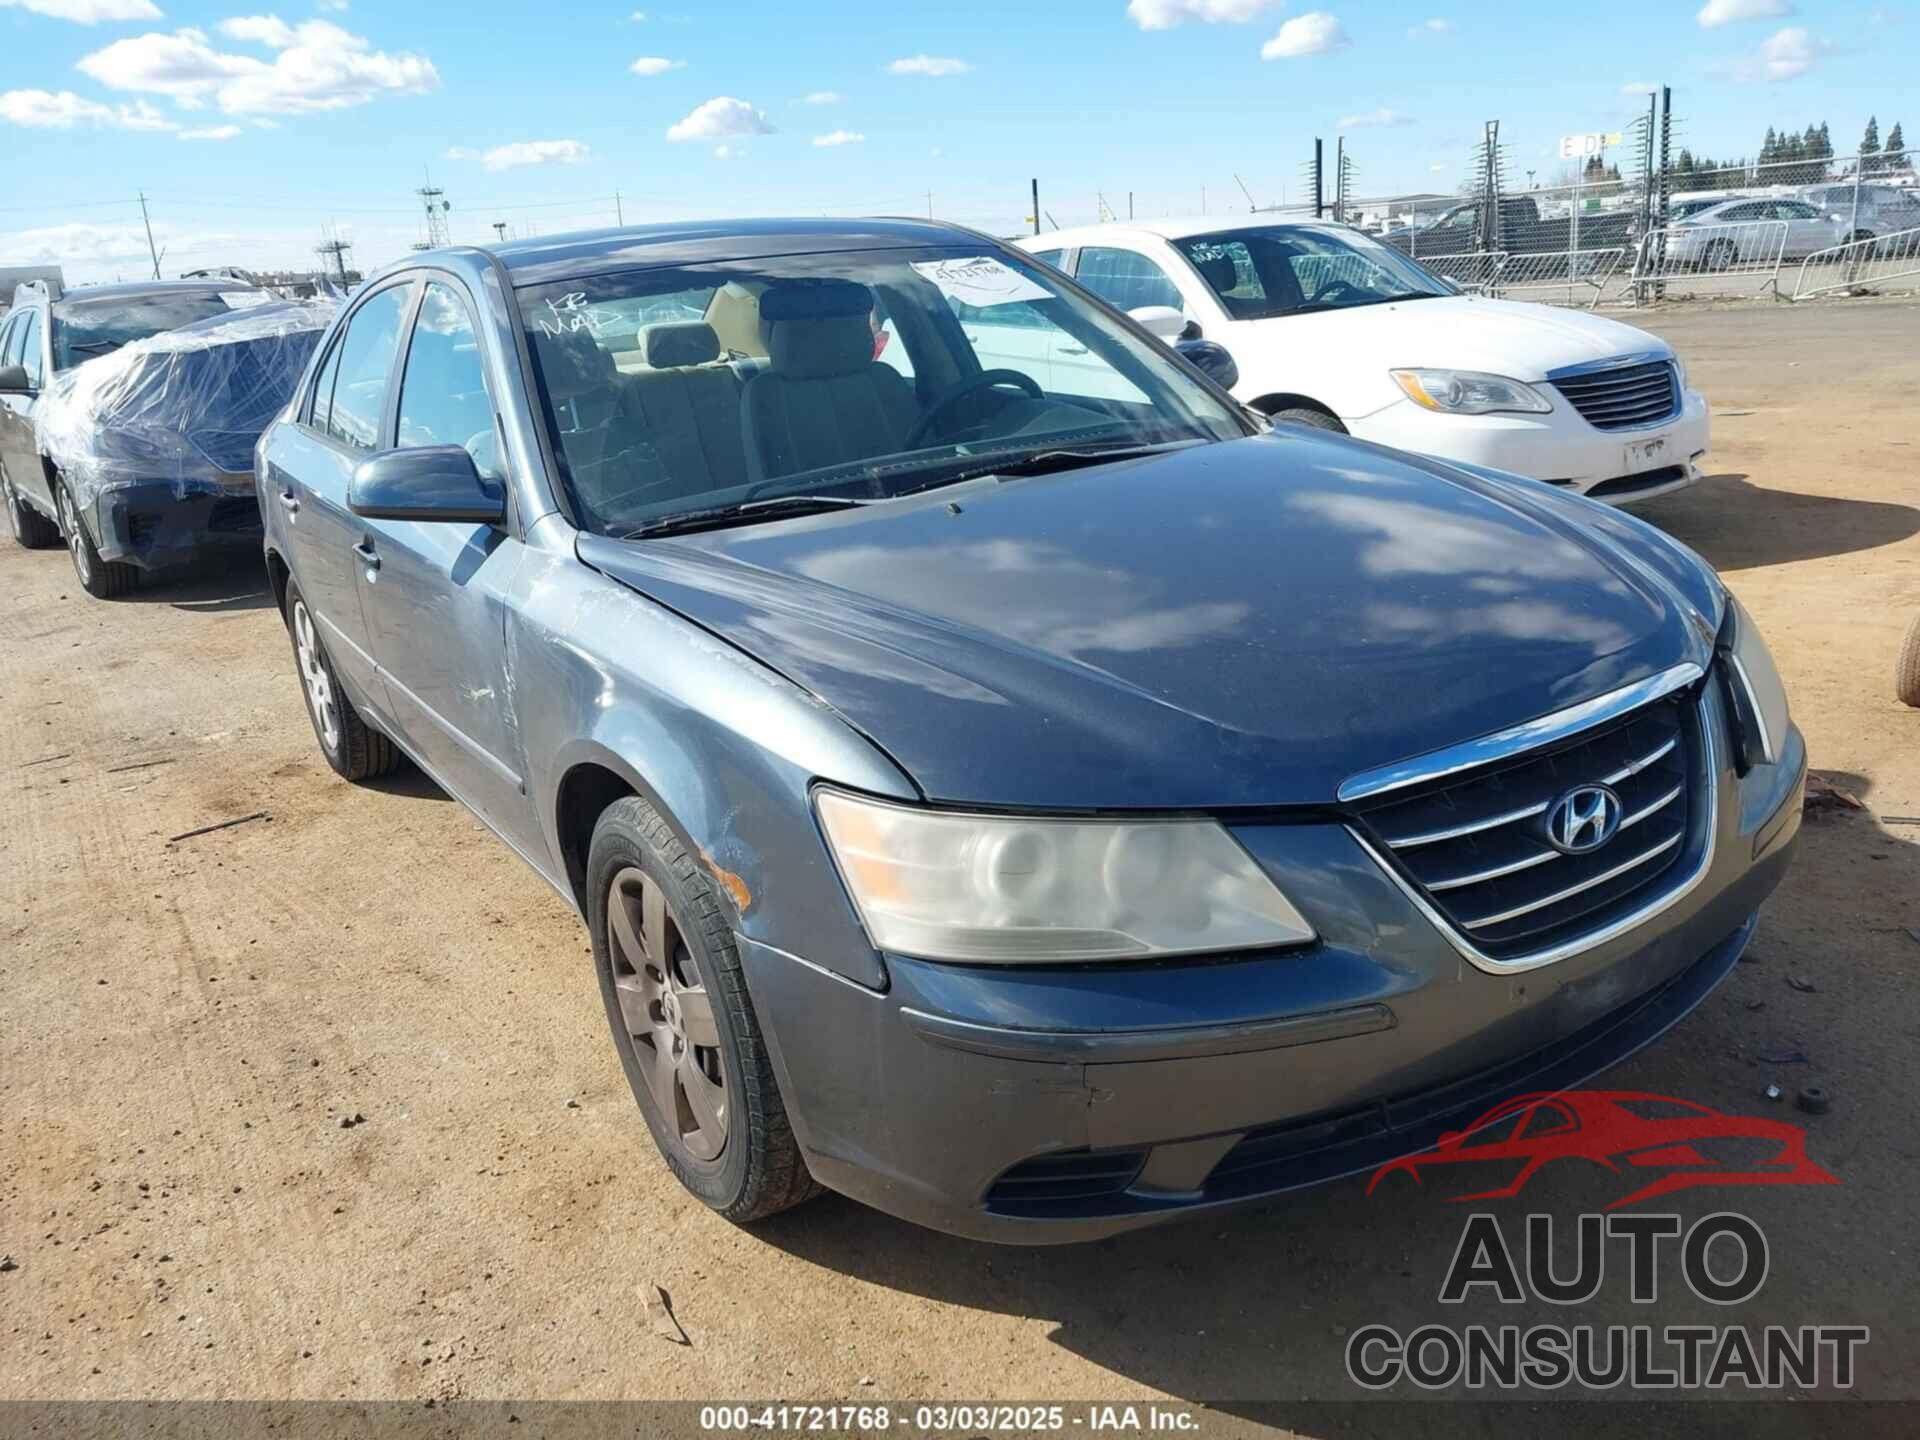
1906, 671
671, 980
354, 749
1305, 415
1721, 255
102, 579
31, 529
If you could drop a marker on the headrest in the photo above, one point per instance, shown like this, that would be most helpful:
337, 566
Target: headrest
813, 300
572, 363
673, 343
1218, 271
816, 347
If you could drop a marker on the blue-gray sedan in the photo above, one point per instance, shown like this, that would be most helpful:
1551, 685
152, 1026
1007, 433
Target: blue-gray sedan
1005, 781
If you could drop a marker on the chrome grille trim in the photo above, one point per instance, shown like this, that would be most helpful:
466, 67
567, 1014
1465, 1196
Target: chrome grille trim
1463, 944
1518, 739
1434, 837
1625, 397
1572, 890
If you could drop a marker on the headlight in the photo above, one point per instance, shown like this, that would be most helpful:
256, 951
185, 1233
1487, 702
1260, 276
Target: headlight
1759, 699
989, 889
1469, 392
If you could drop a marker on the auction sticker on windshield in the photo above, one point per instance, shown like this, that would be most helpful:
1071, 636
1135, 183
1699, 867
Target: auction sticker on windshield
980, 280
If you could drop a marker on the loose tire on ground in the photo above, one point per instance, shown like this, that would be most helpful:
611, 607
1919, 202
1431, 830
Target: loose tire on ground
1906, 670
354, 749
102, 579
1303, 415
669, 937
31, 529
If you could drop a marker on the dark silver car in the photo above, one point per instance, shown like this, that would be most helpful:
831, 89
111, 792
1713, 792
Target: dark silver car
1037, 805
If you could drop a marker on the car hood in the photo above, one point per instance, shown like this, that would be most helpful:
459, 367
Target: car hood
1236, 624
1458, 332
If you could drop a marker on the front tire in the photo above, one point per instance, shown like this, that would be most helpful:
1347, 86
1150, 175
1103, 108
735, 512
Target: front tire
1311, 418
1906, 671
354, 749
102, 579
682, 1020
31, 529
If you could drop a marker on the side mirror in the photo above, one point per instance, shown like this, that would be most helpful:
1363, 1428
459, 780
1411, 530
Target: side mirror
431, 483
1163, 322
1451, 284
13, 380
1211, 359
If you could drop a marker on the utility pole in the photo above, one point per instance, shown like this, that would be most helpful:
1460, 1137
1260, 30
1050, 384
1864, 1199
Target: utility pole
1129, 204
500, 229
149, 224
1251, 206
929, 205
619, 214
435, 202
1036, 205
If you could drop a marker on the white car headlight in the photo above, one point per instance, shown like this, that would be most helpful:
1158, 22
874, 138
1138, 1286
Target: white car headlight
1469, 392
1759, 697
990, 889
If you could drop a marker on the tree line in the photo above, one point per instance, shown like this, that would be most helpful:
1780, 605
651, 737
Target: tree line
1813, 144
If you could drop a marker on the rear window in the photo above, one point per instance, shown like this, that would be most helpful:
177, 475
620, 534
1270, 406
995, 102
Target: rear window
87, 329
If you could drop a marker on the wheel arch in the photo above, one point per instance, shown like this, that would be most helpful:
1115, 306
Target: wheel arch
1280, 400
279, 576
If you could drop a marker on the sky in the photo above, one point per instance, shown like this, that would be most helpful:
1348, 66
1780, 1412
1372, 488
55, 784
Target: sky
256, 133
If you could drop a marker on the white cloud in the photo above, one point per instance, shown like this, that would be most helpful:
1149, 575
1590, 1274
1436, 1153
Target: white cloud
651, 65
720, 118
726, 152
639, 17
838, 137
1314, 33
1428, 28
929, 65
1165, 14
87, 12
316, 66
1382, 116
1438, 167
525, 152
1785, 55
62, 110
1725, 12
824, 97
211, 132
1639, 88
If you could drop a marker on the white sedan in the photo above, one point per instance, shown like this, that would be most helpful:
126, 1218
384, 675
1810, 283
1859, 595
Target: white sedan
1330, 328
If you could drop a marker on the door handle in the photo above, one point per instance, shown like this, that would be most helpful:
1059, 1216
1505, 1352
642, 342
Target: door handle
1073, 349
289, 502
366, 553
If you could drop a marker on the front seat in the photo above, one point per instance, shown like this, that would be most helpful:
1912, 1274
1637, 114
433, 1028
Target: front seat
823, 399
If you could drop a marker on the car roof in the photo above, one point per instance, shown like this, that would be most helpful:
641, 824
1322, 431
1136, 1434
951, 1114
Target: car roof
1178, 229
135, 290
547, 258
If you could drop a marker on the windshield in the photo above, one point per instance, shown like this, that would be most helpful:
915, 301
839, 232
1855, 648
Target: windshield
87, 329
1295, 269
815, 381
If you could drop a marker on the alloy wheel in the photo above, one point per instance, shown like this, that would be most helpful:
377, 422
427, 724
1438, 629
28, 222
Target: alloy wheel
76, 537
313, 674
667, 1014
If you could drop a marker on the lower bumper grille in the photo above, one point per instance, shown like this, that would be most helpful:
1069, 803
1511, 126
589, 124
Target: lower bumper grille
1064, 1178
234, 514
1485, 853
1624, 398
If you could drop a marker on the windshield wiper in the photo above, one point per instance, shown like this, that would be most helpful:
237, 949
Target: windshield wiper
1048, 462
103, 346
715, 517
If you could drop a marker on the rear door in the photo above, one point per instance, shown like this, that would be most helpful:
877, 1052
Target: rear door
19, 452
435, 593
311, 467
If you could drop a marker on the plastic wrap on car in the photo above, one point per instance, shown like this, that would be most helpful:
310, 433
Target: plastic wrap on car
183, 408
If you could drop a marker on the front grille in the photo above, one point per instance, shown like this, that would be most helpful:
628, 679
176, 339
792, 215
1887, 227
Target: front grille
234, 513
1047, 1182
1478, 847
1624, 398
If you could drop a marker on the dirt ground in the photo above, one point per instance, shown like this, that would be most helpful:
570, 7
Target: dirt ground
186, 1029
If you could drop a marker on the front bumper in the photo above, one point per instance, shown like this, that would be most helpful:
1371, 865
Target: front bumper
164, 524
1042, 1106
1559, 447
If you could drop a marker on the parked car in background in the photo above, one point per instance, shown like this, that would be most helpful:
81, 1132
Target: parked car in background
1520, 229
1037, 803
1745, 232
153, 444
1330, 328
48, 332
1871, 211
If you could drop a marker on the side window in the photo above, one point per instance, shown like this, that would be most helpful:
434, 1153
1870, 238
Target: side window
1795, 210
1051, 257
30, 348
1745, 212
1125, 280
323, 389
366, 362
9, 332
443, 390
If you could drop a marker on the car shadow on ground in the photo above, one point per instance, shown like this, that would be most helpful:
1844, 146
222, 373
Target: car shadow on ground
409, 782
1249, 1312
1737, 525
238, 583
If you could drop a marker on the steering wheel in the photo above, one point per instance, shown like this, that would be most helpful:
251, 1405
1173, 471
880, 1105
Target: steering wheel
1343, 287
985, 380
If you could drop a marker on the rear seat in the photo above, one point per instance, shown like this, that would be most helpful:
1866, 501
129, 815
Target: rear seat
686, 406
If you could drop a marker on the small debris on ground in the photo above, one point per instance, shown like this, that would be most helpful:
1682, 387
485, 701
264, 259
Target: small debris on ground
1785, 1057
223, 825
1813, 1100
1774, 1092
7, 1262
347, 1122
1826, 798
1804, 986
660, 1312
1756, 1004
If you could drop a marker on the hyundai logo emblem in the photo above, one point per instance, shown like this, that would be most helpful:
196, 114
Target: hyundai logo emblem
1583, 819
